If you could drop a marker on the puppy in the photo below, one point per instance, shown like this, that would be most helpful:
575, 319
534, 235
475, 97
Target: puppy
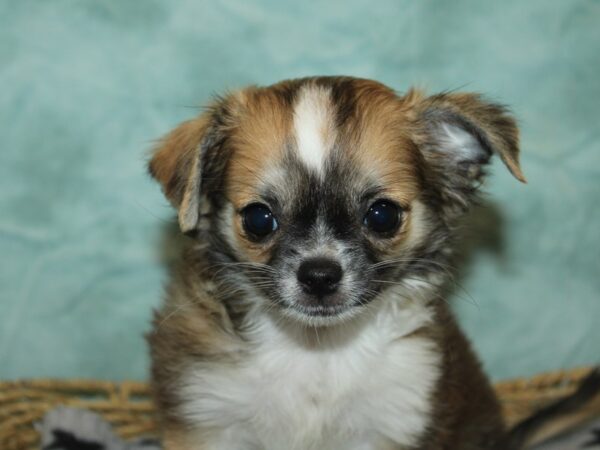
306, 313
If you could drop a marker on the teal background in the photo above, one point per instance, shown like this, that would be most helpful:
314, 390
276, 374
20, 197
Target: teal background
86, 86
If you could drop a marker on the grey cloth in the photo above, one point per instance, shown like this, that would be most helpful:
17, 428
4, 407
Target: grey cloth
77, 429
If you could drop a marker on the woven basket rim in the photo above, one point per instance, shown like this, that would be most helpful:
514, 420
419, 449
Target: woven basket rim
543, 380
128, 404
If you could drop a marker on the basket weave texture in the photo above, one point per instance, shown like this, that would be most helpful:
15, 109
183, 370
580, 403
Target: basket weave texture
127, 405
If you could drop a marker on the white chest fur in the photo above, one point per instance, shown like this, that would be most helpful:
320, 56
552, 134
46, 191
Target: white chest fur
369, 389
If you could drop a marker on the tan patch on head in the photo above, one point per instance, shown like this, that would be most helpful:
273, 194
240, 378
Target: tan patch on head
379, 139
258, 141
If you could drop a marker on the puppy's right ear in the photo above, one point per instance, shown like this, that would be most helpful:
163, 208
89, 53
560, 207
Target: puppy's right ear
176, 165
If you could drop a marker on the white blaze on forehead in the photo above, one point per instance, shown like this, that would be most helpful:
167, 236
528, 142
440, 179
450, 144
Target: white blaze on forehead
313, 126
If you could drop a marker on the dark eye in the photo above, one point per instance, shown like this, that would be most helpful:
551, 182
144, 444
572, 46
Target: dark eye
258, 220
383, 217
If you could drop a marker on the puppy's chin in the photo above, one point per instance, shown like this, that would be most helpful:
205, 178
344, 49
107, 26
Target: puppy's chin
320, 316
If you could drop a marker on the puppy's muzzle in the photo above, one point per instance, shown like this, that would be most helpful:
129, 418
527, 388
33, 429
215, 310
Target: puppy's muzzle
319, 276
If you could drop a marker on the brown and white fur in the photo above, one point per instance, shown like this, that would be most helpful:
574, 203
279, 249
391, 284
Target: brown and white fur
242, 357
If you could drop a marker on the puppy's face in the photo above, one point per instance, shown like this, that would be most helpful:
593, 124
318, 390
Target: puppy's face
323, 193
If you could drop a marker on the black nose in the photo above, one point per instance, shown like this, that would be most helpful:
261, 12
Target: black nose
319, 276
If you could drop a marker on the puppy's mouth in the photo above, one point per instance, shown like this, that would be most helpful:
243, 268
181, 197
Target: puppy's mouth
322, 311
320, 315
329, 311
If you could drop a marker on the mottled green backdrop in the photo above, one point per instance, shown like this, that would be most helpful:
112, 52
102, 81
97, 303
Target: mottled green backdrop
86, 85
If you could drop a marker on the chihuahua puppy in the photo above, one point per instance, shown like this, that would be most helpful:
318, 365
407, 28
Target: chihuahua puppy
306, 312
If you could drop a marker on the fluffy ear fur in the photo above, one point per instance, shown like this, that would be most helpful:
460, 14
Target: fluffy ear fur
190, 160
175, 164
458, 134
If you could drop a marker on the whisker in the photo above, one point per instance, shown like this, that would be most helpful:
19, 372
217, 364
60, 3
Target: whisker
172, 313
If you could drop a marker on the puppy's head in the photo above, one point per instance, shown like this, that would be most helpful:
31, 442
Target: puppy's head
323, 193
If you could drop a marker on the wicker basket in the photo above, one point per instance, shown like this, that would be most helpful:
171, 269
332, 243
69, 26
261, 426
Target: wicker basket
127, 405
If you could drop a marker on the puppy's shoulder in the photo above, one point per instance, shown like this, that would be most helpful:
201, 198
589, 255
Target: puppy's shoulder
193, 321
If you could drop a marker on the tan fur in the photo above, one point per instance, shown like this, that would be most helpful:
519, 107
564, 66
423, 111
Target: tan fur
258, 142
174, 165
380, 140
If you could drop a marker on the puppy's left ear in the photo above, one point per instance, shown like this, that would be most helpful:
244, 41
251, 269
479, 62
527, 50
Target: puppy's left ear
459, 133
180, 162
